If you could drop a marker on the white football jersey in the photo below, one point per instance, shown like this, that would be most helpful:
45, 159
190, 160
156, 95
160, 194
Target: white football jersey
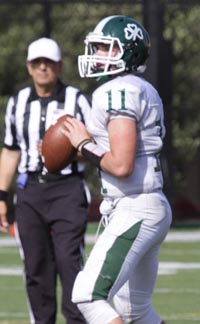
129, 96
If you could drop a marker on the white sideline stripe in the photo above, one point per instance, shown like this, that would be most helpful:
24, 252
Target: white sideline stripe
183, 319
172, 236
193, 291
165, 268
179, 319
11, 271
183, 236
169, 268
12, 315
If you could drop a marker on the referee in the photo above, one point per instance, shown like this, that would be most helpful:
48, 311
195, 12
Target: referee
51, 209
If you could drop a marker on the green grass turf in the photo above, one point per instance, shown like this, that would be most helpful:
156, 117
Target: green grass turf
176, 296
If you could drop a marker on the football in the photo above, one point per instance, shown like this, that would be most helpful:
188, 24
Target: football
57, 150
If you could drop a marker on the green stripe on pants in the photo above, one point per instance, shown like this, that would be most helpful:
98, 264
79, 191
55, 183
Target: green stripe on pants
113, 262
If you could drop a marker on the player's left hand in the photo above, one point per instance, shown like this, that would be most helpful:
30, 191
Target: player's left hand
76, 131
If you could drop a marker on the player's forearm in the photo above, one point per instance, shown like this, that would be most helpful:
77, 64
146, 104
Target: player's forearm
117, 166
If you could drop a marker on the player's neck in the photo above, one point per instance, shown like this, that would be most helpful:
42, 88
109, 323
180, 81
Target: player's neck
45, 90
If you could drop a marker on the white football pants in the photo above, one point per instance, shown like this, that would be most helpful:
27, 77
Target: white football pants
124, 261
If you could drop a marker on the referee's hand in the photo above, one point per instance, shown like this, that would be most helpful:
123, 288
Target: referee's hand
4, 226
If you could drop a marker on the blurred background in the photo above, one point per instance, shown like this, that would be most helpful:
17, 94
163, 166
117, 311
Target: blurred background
173, 68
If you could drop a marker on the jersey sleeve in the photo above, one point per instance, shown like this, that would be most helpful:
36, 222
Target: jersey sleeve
10, 140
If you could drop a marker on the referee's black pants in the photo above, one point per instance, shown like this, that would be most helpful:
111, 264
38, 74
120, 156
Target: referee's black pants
51, 219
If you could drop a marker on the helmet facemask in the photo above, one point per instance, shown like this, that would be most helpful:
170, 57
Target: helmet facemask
92, 65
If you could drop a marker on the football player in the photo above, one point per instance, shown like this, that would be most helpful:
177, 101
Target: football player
123, 140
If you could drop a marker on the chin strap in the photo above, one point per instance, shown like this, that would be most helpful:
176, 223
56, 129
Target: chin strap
103, 79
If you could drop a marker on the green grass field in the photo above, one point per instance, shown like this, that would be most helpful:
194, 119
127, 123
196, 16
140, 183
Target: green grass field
176, 296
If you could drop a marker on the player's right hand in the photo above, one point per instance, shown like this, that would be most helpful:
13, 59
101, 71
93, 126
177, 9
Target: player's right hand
76, 131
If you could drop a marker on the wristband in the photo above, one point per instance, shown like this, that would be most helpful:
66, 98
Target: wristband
85, 141
3, 195
93, 153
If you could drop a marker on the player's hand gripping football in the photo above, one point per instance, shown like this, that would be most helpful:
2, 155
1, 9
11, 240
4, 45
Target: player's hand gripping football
76, 131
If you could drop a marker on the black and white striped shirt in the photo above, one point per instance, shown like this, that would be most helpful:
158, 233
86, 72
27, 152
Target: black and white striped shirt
28, 116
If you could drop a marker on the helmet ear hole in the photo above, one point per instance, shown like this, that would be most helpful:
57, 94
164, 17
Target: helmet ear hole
130, 57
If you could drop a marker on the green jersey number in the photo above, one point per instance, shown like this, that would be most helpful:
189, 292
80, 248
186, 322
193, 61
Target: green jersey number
110, 103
